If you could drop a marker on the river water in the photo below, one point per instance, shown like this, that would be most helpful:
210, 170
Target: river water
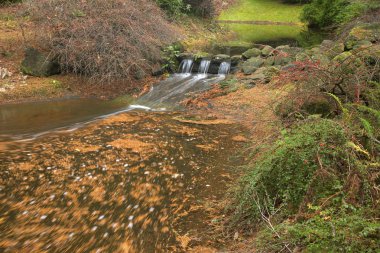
134, 181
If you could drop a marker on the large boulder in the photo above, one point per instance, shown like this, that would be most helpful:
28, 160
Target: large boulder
36, 63
253, 52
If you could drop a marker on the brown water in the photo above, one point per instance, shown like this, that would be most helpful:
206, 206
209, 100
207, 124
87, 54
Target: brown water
20, 121
133, 182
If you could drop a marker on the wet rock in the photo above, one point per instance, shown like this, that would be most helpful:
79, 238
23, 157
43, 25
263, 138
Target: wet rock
36, 63
183, 56
253, 52
221, 58
266, 51
232, 48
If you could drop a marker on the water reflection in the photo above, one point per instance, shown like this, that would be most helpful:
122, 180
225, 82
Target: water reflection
31, 118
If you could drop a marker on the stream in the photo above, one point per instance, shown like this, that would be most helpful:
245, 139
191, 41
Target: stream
85, 175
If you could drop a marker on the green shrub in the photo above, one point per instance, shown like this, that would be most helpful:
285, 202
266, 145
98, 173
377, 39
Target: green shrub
310, 155
325, 13
173, 7
345, 231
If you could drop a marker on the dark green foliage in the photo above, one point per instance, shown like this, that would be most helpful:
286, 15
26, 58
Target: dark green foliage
173, 7
325, 13
350, 230
286, 171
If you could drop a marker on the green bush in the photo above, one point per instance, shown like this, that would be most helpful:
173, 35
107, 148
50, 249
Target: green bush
173, 7
345, 231
312, 155
325, 13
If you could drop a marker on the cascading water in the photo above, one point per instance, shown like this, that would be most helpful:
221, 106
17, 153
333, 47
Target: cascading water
186, 66
224, 68
204, 66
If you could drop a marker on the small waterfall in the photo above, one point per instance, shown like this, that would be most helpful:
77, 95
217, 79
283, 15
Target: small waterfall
186, 66
224, 68
204, 66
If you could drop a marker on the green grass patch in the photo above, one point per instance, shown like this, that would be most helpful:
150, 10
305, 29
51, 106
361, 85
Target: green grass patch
263, 10
263, 33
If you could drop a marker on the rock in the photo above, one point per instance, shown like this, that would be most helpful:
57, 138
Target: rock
183, 56
36, 63
282, 60
323, 59
221, 58
4, 73
302, 57
342, 57
367, 32
256, 62
362, 44
332, 49
248, 69
327, 44
270, 72
253, 52
266, 51
235, 60
269, 61
231, 48
264, 74
283, 48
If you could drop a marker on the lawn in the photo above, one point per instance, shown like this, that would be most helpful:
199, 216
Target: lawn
263, 10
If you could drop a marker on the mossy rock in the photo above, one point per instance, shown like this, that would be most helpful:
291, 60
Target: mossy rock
269, 61
342, 57
248, 69
302, 57
282, 60
266, 51
235, 59
253, 52
219, 58
323, 59
363, 32
256, 62
38, 64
